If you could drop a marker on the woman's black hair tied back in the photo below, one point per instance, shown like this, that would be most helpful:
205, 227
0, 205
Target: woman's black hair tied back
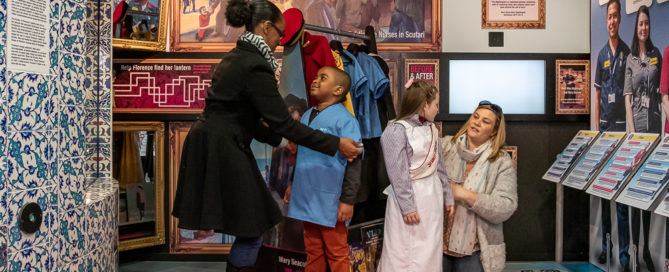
250, 13
238, 13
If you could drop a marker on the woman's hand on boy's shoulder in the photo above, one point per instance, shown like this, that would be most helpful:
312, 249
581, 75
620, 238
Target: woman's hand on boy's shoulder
349, 148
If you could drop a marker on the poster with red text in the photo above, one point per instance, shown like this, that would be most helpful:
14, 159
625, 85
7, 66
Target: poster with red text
422, 70
161, 85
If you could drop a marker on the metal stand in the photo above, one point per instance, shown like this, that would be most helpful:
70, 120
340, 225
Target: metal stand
608, 252
559, 224
336, 32
634, 263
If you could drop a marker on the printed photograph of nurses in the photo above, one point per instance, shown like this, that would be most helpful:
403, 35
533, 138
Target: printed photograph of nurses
642, 79
629, 41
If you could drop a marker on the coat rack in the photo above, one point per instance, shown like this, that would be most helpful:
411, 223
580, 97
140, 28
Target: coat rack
369, 38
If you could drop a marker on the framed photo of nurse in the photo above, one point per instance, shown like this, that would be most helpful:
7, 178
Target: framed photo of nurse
572, 86
400, 25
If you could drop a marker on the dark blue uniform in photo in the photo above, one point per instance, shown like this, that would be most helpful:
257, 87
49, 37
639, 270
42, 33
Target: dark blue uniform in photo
610, 81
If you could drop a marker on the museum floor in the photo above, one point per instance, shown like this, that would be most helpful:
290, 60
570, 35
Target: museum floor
220, 266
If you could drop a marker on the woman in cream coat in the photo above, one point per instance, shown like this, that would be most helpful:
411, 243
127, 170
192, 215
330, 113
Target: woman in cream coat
483, 179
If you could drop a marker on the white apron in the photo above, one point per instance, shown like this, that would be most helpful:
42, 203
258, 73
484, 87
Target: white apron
417, 248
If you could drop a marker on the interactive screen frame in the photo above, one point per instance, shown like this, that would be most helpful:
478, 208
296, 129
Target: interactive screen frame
549, 85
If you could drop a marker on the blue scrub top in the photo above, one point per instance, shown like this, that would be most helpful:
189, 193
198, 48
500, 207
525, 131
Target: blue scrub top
318, 177
610, 79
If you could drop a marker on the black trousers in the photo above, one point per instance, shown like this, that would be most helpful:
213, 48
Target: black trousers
645, 219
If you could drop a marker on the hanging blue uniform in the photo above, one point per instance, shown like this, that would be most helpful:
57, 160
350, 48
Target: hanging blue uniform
377, 83
358, 79
318, 177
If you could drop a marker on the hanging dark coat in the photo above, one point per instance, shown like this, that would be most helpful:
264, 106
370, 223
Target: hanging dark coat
219, 185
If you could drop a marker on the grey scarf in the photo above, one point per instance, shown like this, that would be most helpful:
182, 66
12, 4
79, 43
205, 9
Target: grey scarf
463, 233
259, 43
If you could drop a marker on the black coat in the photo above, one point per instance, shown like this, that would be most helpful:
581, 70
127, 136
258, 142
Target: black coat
220, 186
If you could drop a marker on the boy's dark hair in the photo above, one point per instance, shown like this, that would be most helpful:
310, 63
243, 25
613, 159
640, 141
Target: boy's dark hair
342, 79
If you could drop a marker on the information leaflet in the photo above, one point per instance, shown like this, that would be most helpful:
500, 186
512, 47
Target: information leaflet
650, 180
622, 164
588, 164
573, 151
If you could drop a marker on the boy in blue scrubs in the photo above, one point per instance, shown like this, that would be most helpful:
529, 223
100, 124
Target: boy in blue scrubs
325, 187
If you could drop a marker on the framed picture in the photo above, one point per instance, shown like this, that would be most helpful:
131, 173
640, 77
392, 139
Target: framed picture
189, 241
400, 25
513, 151
422, 70
141, 24
572, 86
512, 14
161, 85
138, 160
394, 83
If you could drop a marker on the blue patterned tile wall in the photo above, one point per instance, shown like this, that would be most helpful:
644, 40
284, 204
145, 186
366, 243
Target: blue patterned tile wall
4, 242
51, 128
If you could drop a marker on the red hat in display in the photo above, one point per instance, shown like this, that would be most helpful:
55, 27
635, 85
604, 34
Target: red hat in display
294, 26
120, 10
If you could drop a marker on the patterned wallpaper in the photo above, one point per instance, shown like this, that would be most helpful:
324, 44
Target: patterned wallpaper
55, 132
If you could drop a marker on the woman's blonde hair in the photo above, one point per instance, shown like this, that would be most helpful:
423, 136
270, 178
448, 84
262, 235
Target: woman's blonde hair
497, 141
417, 95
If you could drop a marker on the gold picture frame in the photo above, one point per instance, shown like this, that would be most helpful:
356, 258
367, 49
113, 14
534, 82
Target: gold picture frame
572, 77
513, 152
160, 43
393, 77
177, 45
521, 23
177, 135
158, 128
423, 75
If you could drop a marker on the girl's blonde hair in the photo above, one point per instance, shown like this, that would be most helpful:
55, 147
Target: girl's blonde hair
417, 95
497, 141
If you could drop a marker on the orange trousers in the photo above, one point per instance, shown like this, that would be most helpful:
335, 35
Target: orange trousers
325, 246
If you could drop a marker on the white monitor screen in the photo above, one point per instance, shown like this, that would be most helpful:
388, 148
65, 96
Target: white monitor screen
518, 86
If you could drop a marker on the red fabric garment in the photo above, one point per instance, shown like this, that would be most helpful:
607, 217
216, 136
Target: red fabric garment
124, 31
316, 55
664, 82
204, 22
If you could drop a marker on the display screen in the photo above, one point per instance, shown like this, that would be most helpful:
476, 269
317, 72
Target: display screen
518, 86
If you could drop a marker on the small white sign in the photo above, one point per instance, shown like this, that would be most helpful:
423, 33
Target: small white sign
632, 6
28, 36
661, 1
